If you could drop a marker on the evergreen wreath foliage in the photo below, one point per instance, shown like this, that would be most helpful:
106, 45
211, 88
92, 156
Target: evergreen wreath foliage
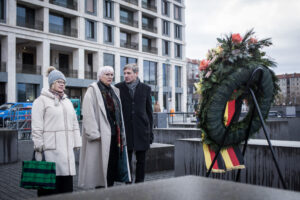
224, 76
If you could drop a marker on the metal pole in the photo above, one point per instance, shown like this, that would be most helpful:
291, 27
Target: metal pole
267, 137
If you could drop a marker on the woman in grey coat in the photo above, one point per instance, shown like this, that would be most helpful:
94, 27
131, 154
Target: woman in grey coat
103, 156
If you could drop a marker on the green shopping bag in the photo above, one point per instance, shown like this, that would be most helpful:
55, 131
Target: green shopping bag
38, 174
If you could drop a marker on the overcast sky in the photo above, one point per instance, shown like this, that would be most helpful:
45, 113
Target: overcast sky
278, 19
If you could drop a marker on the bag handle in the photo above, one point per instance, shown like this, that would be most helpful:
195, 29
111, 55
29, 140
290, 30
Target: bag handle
43, 156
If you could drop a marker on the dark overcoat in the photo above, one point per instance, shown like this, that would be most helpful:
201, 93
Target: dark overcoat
137, 114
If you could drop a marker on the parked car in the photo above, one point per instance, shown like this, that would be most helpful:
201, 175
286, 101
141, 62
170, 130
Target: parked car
10, 111
274, 114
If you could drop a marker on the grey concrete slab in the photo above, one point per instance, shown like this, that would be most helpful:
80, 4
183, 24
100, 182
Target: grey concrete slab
187, 188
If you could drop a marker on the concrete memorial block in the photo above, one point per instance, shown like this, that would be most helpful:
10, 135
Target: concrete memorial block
260, 168
8, 146
170, 135
187, 187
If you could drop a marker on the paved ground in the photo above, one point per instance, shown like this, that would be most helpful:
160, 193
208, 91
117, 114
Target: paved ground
10, 179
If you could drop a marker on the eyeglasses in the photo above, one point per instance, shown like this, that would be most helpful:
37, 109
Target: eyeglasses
61, 82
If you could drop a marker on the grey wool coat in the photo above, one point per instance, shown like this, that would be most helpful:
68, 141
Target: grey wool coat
96, 139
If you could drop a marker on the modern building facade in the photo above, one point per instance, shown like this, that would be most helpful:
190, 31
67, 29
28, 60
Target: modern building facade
78, 36
192, 72
290, 89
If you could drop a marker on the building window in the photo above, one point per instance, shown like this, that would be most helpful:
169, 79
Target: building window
27, 92
25, 17
61, 25
2, 11
165, 48
109, 60
166, 75
178, 102
108, 34
91, 7
108, 9
178, 52
165, 8
166, 28
90, 30
150, 72
177, 76
178, 31
177, 13
125, 61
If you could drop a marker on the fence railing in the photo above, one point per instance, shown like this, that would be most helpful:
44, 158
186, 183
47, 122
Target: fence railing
66, 3
71, 73
90, 75
181, 117
135, 2
130, 22
38, 25
28, 69
149, 6
63, 30
149, 49
130, 45
3, 67
150, 28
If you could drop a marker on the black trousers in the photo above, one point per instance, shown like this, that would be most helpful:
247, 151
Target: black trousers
112, 168
140, 165
64, 184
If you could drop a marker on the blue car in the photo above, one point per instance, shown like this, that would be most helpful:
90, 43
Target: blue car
13, 111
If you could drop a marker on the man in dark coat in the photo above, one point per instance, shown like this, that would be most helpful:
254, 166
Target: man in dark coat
138, 120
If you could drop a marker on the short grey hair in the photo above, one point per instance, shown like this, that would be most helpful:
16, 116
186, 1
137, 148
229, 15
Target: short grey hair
133, 66
104, 70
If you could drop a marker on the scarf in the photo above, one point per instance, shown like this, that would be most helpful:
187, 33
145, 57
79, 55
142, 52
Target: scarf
113, 112
58, 96
132, 86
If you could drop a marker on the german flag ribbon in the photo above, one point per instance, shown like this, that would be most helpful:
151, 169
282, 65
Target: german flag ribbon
229, 158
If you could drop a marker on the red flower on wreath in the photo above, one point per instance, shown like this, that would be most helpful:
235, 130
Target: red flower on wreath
236, 38
203, 64
252, 41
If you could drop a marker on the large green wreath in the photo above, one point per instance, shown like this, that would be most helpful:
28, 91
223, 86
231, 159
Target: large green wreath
225, 75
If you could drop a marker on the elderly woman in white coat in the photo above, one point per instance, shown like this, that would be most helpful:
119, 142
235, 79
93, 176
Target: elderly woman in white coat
55, 131
103, 156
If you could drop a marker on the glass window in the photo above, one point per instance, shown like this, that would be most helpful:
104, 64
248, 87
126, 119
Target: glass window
25, 16
166, 27
125, 61
109, 60
146, 42
90, 29
2, 9
166, 47
27, 92
178, 102
165, 8
59, 24
178, 31
177, 76
177, 50
166, 75
90, 6
108, 9
177, 13
150, 72
108, 34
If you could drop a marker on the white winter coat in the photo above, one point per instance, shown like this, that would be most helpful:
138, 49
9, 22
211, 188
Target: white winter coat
96, 138
55, 129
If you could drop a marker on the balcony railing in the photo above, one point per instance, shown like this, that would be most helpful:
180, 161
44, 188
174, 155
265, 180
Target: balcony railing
28, 69
150, 28
3, 67
70, 73
38, 25
149, 6
135, 2
149, 49
53, 28
129, 45
66, 4
125, 20
2, 20
90, 75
